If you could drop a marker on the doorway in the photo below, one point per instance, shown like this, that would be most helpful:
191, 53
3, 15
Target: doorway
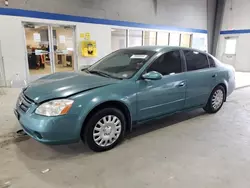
50, 49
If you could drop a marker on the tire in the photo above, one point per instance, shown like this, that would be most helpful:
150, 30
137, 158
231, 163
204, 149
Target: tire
211, 106
108, 125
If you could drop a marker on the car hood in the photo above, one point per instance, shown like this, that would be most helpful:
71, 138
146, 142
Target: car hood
60, 85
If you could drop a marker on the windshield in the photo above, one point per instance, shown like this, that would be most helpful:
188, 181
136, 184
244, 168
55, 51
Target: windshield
121, 64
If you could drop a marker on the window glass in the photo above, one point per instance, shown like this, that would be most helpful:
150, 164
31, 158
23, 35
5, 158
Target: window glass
199, 41
149, 38
122, 63
185, 40
195, 60
162, 38
230, 48
167, 63
118, 39
211, 61
135, 38
174, 39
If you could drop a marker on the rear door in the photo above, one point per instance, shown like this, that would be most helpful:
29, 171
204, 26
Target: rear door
200, 78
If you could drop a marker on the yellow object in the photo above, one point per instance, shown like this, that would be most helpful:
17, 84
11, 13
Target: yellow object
87, 36
88, 48
82, 35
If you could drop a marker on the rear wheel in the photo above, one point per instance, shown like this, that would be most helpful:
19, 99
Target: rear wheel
215, 100
105, 129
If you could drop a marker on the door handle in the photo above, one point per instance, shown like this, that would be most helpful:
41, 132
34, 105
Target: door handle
215, 75
182, 84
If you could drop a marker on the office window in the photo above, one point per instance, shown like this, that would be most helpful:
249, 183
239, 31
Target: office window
162, 38
118, 39
195, 60
174, 39
149, 38
185, 40
169, 63
135, 38
199, 42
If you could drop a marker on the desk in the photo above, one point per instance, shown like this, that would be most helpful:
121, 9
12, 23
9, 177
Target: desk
63, 59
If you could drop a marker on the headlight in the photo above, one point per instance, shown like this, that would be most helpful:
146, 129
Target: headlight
55, 107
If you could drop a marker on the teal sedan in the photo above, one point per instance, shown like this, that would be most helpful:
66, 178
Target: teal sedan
127, 87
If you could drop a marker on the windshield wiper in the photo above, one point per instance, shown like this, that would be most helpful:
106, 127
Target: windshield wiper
86, 70
103, 74
98, 73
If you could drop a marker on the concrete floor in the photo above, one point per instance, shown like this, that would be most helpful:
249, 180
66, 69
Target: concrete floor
186, 150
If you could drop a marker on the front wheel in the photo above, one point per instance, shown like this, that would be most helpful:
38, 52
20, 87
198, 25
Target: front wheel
105, 129
215, 100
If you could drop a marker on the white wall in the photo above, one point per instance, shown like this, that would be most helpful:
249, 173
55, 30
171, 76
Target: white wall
14, 50
236, 17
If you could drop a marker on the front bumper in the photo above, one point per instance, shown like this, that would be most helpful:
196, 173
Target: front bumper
50, 130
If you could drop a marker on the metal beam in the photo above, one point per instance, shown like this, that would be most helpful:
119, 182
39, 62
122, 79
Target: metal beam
215, 11
155, 6
211, 11
218, 23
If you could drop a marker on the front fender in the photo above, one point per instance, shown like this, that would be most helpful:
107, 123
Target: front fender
87, 101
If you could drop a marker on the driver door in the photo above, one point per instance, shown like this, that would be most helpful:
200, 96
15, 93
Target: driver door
167, 95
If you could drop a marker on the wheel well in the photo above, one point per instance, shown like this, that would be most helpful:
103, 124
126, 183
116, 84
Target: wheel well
225, 88
114, 104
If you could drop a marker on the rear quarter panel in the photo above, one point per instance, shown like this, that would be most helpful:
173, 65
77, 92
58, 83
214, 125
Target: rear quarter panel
225, 76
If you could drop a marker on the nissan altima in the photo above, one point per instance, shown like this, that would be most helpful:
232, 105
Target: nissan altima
127, 87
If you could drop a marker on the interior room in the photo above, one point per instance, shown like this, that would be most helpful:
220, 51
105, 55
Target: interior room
40, 52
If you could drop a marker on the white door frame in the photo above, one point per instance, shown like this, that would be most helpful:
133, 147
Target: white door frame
229, 58
51, 43
51, 47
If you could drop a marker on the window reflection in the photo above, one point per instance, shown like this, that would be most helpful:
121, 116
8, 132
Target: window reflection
135, 38
162, 38
118, 39
149, 38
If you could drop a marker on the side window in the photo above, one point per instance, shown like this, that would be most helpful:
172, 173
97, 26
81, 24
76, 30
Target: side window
167, 63
211, 61
195, 60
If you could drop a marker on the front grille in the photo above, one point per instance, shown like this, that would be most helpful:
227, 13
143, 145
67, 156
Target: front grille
24, 103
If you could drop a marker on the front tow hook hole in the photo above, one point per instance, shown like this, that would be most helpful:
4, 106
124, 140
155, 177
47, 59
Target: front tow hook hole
21, 132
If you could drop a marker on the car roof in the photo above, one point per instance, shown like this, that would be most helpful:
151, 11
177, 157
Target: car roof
162, 48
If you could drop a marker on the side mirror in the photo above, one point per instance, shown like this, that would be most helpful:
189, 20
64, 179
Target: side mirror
153, 75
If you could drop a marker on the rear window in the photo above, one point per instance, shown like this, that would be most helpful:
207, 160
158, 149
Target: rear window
195, 60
